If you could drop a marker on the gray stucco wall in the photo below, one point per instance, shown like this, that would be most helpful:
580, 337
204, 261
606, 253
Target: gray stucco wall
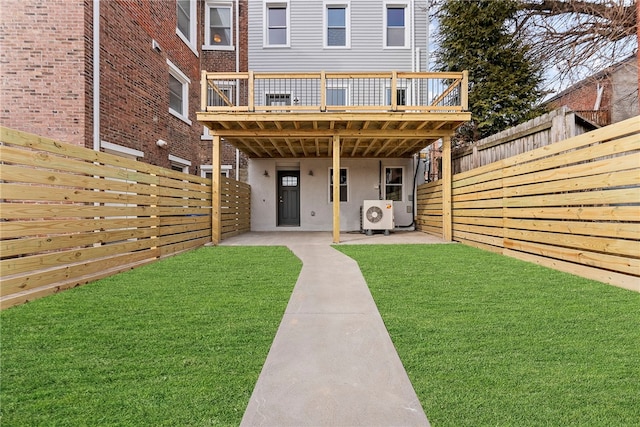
314, 192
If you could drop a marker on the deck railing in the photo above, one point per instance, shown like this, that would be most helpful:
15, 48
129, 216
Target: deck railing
334, 91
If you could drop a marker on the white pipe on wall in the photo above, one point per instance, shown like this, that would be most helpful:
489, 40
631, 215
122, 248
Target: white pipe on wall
237, 81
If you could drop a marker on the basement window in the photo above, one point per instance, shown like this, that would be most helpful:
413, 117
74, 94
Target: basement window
179, 164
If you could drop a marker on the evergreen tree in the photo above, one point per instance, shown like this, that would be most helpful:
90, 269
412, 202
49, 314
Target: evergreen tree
503, 82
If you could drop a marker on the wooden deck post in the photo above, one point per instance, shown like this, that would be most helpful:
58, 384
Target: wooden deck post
336, 189
216, 189
447, 228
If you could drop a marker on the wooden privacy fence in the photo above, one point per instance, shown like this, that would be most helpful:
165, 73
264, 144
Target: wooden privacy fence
573, 205
235, 208
70, 215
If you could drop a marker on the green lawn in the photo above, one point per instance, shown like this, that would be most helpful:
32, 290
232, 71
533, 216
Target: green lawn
177, 343
492, 341
486, 340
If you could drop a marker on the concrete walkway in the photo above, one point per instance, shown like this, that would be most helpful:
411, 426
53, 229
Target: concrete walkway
332, 362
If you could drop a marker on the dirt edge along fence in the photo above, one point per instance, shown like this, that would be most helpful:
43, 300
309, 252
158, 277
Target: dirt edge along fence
70, 215
573, 205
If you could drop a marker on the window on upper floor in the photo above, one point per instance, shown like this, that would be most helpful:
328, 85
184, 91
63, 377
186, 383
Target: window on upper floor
396, 29
337, 28
276, 24
218, 30
178, 93
186, 22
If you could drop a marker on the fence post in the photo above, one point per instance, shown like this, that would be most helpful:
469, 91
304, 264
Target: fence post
447, 228
216, 189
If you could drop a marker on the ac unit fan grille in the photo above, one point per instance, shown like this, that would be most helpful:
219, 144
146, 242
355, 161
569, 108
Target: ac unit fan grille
374, 214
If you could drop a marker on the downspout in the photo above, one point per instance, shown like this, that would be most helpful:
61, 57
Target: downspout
238, 80
96, 75
413, 51
412, 42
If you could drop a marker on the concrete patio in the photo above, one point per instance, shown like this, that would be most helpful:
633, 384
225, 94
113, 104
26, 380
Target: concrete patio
287, 238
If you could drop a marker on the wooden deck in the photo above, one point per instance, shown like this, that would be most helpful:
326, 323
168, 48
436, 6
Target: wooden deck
313, 108
333, 115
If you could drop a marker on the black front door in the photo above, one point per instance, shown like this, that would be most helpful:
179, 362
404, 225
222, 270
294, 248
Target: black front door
289, 198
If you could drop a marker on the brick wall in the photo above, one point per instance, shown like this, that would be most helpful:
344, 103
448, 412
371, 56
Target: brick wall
134, 97
43, 67
584, 96
46, 60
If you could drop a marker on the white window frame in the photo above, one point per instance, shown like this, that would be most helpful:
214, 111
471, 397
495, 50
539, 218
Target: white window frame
182, 78
225, 170
325, 23
268, 94
265, 22
206, 135
120, 150
407, 23
207, 25
330, 195
189, 39
180, 162
402, 186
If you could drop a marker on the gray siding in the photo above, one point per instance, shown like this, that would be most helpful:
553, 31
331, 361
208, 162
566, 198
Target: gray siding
306, 51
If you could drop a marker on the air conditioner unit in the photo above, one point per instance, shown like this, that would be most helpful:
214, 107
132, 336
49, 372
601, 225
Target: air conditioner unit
377, 215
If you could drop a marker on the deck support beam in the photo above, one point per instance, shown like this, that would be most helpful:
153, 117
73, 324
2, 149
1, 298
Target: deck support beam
336, 189
447, 221
216, 190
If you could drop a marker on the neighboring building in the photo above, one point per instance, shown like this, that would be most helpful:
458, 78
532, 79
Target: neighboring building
607, 97
224, 48
147, 84
291, 177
